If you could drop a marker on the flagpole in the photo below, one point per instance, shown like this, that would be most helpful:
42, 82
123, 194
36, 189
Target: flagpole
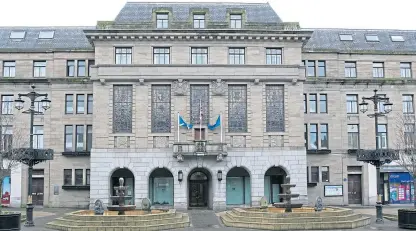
200, 119
178, 126
221, 125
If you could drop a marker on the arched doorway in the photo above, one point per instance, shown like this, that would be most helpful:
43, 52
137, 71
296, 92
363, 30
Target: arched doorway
161, 187
273, 178
128, 177
200, 194
238, 187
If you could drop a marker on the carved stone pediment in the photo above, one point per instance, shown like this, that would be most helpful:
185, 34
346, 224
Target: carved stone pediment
180, 87
219, 87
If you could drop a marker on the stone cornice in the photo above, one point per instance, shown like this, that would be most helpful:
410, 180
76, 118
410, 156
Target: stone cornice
200, 35
359, 81
199, 65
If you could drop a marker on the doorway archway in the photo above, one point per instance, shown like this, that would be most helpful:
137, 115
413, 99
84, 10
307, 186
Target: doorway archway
238, 187
161, 187
128, 177
199, 189
273, 178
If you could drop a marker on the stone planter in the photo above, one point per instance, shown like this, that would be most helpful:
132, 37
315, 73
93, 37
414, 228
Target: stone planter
407, 218
10, 221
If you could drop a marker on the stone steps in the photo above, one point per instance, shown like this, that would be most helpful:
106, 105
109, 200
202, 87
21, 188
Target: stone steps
150, 222
341, 219
162, 221
349, 217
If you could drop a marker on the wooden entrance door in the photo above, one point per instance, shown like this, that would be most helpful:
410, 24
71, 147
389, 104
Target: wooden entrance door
354, 189
37, 191
198, 194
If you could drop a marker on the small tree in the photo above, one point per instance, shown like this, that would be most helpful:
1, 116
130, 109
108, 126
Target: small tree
13, 143
406, 146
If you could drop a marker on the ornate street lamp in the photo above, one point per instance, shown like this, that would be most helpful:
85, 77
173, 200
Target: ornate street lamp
377, 157
33, 156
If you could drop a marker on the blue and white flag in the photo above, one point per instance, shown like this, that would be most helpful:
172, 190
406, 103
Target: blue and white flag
216, 124
182, 122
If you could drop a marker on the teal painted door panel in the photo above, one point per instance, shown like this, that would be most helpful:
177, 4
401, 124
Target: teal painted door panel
235, 191
275, 193
247, 192
163, 191
267, 188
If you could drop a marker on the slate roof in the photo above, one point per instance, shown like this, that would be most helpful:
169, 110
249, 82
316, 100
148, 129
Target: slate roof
141, 12
65, 39
327, 40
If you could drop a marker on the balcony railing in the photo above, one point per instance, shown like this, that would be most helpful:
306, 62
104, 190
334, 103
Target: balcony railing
199, 148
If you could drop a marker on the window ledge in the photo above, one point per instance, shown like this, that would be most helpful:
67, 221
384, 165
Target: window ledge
238, 133
76, 187
121, 134
312, 184
352, 151
161, 134
318, 151
83, 153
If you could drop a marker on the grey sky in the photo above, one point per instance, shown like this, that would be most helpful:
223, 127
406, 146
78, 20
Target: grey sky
368, 14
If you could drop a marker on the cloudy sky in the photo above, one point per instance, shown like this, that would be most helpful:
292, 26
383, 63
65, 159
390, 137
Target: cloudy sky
367, 14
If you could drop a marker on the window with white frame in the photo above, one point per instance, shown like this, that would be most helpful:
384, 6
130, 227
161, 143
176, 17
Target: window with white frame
39, 69
7, 104
407, 104
351, 69
162, 20
378, 70
236, 21
199, 21
236, 55
9, 69
161, 55
6, 137
273, 56
382, 136
406, 70
353, 136
199, 55
123, 55
38, 136
352, 104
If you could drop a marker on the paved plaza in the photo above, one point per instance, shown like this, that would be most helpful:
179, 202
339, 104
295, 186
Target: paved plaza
207, 220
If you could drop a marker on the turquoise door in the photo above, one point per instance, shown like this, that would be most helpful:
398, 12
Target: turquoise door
163, 191
276, 189
235, 191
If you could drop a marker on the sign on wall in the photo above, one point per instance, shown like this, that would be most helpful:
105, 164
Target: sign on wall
333, 190
6, 189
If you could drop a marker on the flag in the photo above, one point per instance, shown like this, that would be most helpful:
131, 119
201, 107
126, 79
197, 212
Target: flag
183, 123
216, 124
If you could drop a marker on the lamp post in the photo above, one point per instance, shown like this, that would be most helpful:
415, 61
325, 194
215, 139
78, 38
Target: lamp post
376, 158
19, 104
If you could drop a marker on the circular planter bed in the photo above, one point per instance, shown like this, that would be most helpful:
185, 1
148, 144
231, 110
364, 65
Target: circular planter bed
10, 221
407, 218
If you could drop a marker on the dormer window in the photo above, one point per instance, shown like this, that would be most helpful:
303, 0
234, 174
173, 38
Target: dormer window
17, 34
162, 21
199, 21
372, 38
345, 37
397, 38
46, 34
235, 21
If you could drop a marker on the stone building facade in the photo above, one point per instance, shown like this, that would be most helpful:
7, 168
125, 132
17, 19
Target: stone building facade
204, 105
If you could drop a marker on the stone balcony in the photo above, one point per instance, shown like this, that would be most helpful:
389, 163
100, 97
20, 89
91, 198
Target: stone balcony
199, 148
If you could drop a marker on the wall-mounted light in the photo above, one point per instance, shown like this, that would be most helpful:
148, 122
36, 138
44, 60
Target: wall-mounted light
180, 175
219, 175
